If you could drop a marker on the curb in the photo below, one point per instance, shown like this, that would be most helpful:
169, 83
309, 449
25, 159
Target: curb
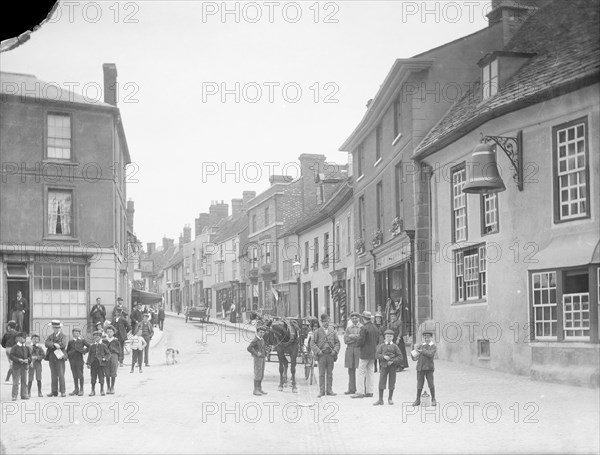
241, 326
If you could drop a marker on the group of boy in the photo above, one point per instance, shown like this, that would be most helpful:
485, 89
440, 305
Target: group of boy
364, 348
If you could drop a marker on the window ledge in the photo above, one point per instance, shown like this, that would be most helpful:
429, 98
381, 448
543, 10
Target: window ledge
396, 139
564, 344
360, 178
60, 238
378, 161
470, 303
59, 162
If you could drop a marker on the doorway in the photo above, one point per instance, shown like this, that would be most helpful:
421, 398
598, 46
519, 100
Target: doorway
12, 287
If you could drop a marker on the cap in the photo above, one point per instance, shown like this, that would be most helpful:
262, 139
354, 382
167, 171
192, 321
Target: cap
119, 299
147, 314
56, 323
34, 335
428, 332
367, 314
97, 332
110, 327
261, 328
324, 317
388, 332
378, 315
354, 313
76, 330
21, 334
11, 324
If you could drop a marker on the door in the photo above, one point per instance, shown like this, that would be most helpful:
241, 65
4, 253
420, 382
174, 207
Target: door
12, 287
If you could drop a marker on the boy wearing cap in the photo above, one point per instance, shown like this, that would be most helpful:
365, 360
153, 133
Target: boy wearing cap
425, 367
137, 349
120, 327
35, 367
21, 358
259, 352
147, 332
326, 345
76, 348
56, 344
96, 361
8, 341
114, 347
388, 355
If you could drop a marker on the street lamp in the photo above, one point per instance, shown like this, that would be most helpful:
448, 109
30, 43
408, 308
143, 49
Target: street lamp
297, 267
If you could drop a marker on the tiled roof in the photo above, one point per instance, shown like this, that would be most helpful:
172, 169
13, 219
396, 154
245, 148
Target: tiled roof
29, 86
565, 38
232, 226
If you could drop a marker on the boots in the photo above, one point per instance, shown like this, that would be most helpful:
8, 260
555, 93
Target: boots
39, 384
112, 386
132, 365
29, 387
102, 389
93, 392
433, 402
260, 388
75, 392
257, 388
140, 367
418, 400
390, 402
380, 401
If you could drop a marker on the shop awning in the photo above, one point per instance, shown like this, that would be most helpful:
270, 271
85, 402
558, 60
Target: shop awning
145, 297
567, 251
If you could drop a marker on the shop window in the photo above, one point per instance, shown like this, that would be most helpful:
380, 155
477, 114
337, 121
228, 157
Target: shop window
59, 290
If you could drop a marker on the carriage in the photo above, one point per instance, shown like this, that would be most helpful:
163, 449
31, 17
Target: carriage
305, 355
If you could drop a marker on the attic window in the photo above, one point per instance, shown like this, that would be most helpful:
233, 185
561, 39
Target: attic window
489, 78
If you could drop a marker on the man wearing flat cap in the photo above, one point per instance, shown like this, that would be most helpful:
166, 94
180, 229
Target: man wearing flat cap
367, 342
352, 355
56, 356
258, 350
121, 326
325, 344
388, 354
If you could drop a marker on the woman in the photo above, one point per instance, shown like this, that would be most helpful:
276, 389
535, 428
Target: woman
380, 328
232, 313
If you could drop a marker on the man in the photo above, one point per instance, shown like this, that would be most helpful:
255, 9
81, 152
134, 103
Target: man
325, 344
119, 306
352, 356
19, 307
121, 326
367, 342
98, 312
56, 344
147, 334
9, 339
136, 316
161, 317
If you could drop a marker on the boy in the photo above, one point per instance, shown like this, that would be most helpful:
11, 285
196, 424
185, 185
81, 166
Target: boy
425, 367
8, 341
76, 348
21, 358
37, 355
96, 361
326, 345
137, 349
114, 347
388, 355
147, 332
259, 352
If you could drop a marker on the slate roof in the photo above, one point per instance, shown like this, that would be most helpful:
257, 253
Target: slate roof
565, 37
232, 227
29, 86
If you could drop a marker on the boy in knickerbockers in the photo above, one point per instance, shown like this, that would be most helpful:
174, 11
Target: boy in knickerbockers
76, 348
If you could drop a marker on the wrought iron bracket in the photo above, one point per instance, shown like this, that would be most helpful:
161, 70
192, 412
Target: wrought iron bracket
513, 149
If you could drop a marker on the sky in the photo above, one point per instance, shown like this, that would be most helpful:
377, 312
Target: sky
216, 96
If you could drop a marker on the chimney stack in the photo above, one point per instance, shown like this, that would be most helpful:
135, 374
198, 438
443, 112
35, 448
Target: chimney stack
187, 234
512, 13
236, 207
202, 221
217, 212
166, 243
151, 248
274, 179
247, 196
130, 212
110, 83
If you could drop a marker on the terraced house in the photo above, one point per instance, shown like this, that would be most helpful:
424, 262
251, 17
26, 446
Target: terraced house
517, 271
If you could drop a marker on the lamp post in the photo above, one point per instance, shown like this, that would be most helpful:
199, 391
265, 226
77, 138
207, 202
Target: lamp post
297, 266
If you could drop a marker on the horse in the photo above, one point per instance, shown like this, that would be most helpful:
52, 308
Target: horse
283, 335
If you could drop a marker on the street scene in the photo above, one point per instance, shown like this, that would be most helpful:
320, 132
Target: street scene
300, 227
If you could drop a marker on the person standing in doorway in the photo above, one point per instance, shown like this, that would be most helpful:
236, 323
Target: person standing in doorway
19, 308
98, 312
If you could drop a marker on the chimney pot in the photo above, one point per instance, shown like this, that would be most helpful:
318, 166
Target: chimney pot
110, 83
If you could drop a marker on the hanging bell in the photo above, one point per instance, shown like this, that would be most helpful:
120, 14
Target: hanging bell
482, 172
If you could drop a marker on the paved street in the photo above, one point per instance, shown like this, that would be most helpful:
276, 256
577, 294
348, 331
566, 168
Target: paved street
204, 404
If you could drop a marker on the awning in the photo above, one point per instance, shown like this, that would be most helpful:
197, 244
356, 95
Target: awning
17, 271
567, 251
145, 297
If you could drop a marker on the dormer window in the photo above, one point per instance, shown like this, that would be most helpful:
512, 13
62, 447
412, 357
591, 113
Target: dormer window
489, 79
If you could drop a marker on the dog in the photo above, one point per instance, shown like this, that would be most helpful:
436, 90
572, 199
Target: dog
171, 356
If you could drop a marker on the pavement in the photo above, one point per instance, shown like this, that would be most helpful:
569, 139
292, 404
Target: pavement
204, 404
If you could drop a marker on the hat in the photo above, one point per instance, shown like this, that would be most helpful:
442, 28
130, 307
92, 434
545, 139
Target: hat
97, 332
428, 332
261, 327
354, 313
11, 323
99, 323
110, 327
34, 335
56, 323
367, 314
378, 315
388, 332
324, 317
76, 330
146, 314
119, 299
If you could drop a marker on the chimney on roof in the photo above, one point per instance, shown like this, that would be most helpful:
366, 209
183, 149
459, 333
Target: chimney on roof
217, 211
110, 83
150, 248
202, 221
274, 179
187, 234
247, 197
130, 212
166, 243
512, 13
236, 207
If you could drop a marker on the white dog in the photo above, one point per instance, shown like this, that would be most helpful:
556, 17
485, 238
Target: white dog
171, 355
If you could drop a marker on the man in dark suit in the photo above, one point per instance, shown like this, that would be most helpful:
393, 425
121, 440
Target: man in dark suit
367, 342
326, 345
121, 326
147, 332
136, 316
19, 308
98, 312
96, 361
56, 344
